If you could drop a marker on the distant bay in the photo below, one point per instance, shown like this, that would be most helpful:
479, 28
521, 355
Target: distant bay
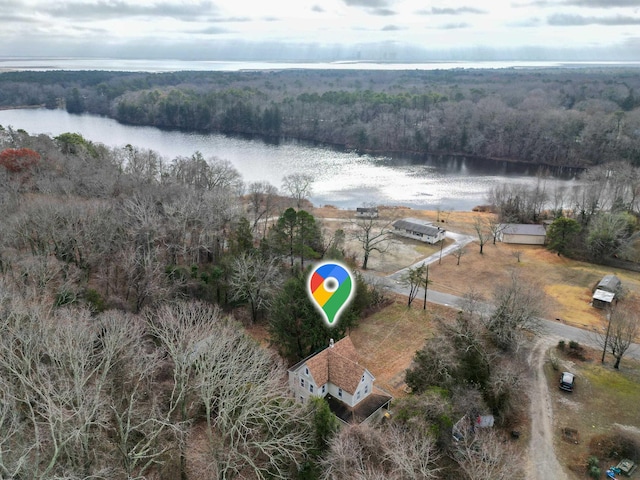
342, 178
144, 65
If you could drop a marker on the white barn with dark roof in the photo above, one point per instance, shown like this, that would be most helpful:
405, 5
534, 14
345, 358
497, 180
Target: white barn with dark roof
523, 234
419, 230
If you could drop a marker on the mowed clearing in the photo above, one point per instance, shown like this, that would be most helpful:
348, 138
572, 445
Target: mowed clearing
387, 341
568, 284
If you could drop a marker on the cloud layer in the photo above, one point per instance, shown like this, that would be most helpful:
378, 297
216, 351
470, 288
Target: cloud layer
309, 29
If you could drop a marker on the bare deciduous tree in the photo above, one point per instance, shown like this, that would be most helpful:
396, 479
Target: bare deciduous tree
483, 455
255, 279
262, 204
495, 227
365, 452
298, 185
372, 235
517, 254
458, 253
518, 307
619, 329
481, 232
251, 425
414, 278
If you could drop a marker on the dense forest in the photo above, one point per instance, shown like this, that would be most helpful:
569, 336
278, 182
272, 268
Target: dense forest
127, 283
561, 117
126, 286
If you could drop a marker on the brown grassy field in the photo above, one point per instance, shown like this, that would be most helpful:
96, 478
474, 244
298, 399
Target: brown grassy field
568, 284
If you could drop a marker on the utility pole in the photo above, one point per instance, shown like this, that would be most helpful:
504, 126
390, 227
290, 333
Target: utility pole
426, 286
606, 338
441, 245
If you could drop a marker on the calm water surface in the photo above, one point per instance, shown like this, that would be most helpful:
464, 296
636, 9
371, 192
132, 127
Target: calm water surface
343, 179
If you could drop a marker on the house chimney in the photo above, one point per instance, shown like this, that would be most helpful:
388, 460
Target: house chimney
331, 343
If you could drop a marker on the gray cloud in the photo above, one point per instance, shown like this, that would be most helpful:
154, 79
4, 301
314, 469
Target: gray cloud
317, 8
375, 7
391, 28
456, 11
454, 26
579, 3
529, 22
213, 30
603, 3
566, 20
17, 18
121, 8
367, 3
383, 12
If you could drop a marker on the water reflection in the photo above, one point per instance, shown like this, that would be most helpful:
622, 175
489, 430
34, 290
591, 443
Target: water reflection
344, 179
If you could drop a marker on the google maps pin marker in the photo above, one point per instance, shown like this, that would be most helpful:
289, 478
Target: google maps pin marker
330, 287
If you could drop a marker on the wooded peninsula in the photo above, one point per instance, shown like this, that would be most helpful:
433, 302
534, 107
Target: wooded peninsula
576, 117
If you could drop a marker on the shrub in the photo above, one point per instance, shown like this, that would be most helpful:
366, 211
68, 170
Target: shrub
18, 159
593, 467
95, 300
561, 345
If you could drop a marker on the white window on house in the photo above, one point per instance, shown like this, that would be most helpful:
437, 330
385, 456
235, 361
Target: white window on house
311, 388
340, 392
324, 388
366, 389
306, 371
302, 382
301, 399
358, 394
363, 378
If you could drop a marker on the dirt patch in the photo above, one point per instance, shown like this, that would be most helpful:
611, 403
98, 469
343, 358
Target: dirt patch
602, 399
542, 461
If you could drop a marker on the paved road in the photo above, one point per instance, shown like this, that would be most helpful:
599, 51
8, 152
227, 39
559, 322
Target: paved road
542, 462
459, 240
550, 328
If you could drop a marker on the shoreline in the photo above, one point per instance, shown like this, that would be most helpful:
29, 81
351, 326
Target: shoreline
337, 146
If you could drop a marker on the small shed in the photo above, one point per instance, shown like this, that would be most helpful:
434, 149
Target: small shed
523, 234
419, 230
605, 292
609, 283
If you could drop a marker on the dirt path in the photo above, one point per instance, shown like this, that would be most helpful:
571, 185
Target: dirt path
542, 462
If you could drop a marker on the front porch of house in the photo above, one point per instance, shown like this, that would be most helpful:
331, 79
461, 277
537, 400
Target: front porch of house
369, 409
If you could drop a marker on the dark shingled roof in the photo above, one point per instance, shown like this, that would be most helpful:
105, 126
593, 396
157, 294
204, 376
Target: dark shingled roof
416, 227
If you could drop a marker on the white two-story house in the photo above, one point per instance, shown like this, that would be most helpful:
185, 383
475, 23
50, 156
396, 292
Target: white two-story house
335, 374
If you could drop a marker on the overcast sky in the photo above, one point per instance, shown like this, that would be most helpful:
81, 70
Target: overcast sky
393, 30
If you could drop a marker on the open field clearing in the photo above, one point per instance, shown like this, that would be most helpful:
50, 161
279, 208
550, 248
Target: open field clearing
567, 283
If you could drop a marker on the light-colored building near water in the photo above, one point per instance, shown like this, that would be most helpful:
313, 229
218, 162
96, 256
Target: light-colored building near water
419, 230
522, 234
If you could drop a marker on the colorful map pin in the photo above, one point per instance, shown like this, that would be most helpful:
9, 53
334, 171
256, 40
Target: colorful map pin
330, 287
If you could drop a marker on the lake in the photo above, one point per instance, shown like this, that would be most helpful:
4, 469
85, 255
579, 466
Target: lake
341, 178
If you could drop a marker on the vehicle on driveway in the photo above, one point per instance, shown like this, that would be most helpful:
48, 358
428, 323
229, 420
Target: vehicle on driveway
567, 381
